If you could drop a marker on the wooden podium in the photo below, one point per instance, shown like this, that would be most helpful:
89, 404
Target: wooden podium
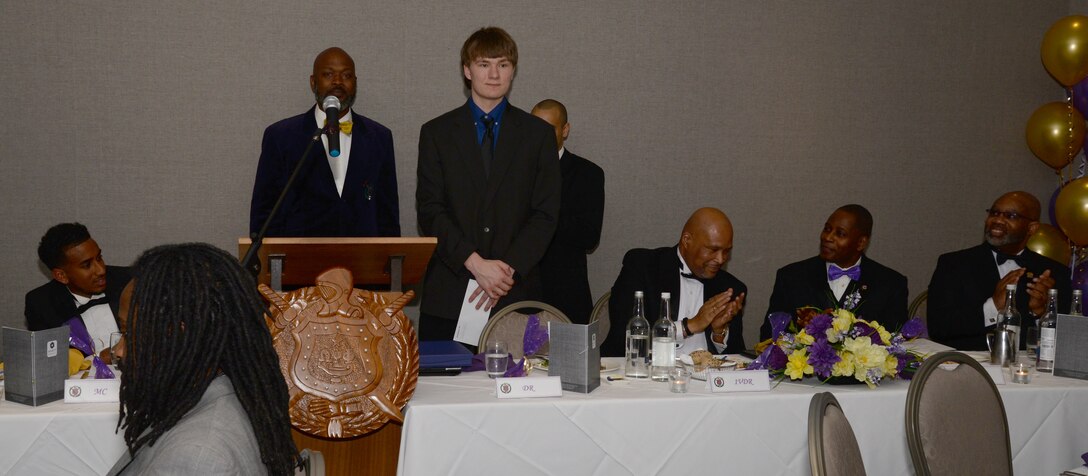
392, 262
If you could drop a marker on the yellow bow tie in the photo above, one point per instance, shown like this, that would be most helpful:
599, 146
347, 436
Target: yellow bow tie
345, 127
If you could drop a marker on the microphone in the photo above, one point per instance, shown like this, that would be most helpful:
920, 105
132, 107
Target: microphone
331, 105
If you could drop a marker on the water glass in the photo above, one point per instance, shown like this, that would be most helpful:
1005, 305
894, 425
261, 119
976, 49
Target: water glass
678, 380
117, 348
495, 356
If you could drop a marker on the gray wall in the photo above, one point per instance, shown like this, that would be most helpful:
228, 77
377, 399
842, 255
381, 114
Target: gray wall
144, 121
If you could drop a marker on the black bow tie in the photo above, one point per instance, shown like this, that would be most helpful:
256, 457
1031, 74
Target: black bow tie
92, 303
1003, 257
693, 276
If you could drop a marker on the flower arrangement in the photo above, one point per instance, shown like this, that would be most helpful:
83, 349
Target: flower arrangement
835, 344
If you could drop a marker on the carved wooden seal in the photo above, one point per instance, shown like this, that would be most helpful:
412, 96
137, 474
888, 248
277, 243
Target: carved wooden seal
350, 358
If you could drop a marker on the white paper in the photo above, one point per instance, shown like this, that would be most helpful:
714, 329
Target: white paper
738, 381
528, 387
471, 321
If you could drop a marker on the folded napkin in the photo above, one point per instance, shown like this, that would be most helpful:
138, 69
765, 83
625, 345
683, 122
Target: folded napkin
79, 340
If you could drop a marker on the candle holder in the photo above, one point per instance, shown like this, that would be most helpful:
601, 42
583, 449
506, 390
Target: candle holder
678, 380
1021, 372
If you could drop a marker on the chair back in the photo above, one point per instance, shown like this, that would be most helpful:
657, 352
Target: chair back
832, 447
600, 313
918, 306
508, 325
956, 422
350, 357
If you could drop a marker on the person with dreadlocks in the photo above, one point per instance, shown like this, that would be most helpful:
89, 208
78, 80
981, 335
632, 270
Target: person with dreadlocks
201, 389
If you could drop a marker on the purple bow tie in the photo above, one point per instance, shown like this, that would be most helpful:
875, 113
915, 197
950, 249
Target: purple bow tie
834, 272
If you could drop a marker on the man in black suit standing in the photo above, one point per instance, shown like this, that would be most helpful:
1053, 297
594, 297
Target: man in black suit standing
968, 287
488, 188
82, 285
842, 276
706, 301
350, 194
581, 211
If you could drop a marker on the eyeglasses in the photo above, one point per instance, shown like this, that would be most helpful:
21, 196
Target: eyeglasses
1011, 216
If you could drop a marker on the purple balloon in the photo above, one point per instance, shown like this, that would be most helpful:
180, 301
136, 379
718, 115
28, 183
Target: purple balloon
1080, 96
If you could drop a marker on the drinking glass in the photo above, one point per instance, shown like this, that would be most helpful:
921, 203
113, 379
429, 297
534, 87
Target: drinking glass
495, 356
678, 379
117, 348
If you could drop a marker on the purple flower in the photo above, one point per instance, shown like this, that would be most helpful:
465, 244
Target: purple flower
861, 329
535, 336
772, 358
914, 328
779, 321
822, 357
818, 326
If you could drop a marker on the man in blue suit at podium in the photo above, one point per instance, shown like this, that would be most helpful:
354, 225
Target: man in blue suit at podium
352, 194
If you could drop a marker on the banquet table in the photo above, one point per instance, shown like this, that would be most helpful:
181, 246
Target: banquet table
58, 438
456, 425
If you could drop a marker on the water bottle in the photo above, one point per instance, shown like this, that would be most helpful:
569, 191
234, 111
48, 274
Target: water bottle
1010, 318
664, 350
638, 342
1048, 330
1075, 308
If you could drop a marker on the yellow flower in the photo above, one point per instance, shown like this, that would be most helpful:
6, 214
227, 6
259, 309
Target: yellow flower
798, 365
866, 357
803, 338
845, 366
891, 364
841, 322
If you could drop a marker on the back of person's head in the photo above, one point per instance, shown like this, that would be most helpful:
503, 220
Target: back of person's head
489, 42
57, 240
195, 313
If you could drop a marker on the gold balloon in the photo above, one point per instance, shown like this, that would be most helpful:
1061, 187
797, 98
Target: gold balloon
1065, 50
1050, 242
1071, 210
1048, 133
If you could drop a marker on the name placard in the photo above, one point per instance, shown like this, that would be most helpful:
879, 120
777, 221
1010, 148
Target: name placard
91, 390
528, 387
719, 381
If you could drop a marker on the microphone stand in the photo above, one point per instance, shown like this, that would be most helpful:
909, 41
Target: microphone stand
250, 261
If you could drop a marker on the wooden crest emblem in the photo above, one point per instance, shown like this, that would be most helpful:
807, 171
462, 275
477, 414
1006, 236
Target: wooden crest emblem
350, 358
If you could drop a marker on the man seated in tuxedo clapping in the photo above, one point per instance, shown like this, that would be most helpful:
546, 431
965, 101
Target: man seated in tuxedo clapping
968, 287
706, 301
841, 276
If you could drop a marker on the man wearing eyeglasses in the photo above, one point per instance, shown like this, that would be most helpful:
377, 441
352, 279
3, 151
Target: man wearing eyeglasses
967, 290
352, 193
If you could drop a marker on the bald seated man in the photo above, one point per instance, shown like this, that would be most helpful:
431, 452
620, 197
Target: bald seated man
351, 195
563, 271
707, 302
968, 287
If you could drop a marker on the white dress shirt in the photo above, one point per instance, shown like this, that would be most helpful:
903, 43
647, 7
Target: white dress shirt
989, 309
691, 300
98, 320
339, 165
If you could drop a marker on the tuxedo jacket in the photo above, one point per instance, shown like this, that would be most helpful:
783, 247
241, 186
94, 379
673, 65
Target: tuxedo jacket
654, 272
581, 211
965, 279
883, 293
509, 215
51, 304
369, 205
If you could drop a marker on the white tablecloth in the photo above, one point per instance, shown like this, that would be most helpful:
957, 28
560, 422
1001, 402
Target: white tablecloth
58, 438
456, 425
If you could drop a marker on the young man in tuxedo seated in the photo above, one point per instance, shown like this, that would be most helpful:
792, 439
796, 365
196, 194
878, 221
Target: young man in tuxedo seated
82, 286
967, 290
706, 301
842, 276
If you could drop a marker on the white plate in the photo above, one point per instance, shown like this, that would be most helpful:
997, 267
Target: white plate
689, 364
540, 364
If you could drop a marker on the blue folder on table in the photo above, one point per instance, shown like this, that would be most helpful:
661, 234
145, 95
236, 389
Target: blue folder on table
443, 354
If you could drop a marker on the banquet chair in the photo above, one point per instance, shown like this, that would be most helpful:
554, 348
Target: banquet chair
918, 306
600, 313
956, 421
508, 325
832, 447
